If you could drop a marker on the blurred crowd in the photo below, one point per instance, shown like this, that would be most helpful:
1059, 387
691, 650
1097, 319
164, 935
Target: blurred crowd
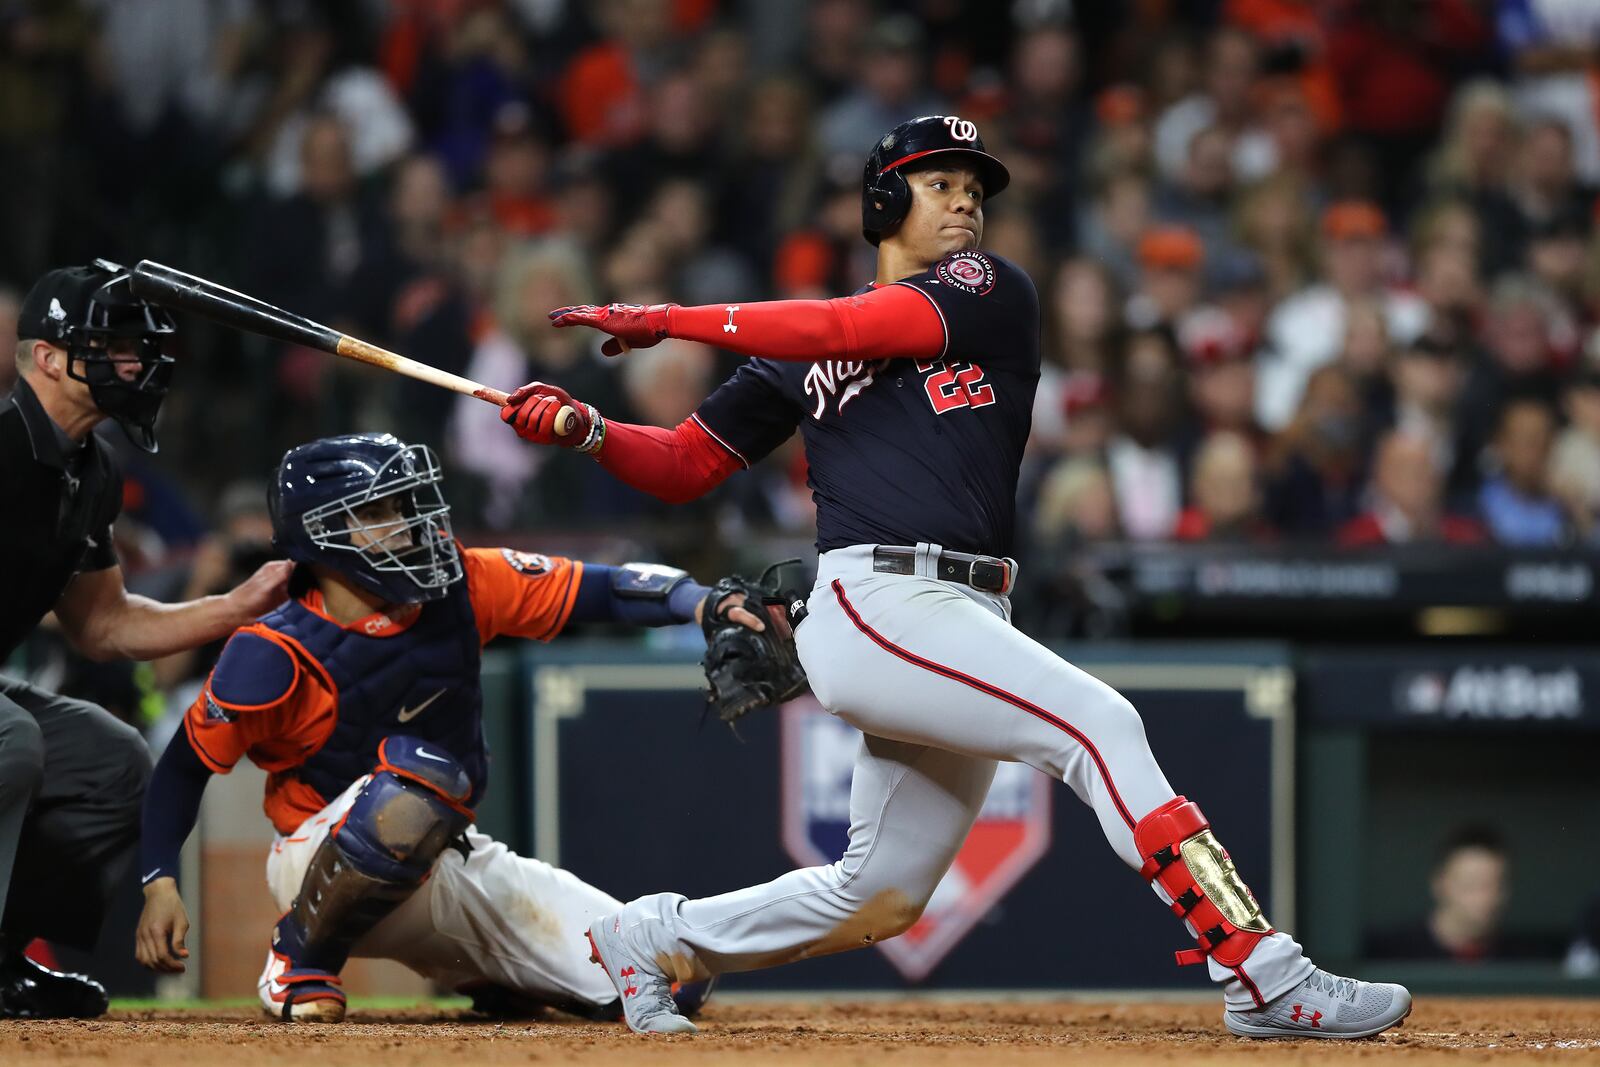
1470, 885
1316, 270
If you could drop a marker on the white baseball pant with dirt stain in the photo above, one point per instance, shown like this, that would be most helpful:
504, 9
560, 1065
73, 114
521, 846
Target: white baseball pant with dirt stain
491, 916
941, 687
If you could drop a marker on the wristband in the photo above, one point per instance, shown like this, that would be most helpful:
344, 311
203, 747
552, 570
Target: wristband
590, 445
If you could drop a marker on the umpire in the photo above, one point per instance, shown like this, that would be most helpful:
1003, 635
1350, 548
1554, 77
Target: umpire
71, 776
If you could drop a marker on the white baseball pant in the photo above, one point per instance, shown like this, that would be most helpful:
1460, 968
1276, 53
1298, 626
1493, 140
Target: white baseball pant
942, 687
493, 916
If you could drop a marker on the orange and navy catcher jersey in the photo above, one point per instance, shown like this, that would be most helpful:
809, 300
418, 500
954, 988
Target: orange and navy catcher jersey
269, 700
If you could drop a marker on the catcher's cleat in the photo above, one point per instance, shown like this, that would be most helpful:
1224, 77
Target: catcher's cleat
1326, 1005
299, 994
29, 991
645, 993
494, 1001
690, 997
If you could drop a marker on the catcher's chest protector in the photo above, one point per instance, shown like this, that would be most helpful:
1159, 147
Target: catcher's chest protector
427, 673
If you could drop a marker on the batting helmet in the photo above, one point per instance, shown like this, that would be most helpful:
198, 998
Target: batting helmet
88, 311
313, 500
885, 193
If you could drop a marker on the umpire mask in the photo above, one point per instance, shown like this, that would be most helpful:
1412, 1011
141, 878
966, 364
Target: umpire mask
92, 313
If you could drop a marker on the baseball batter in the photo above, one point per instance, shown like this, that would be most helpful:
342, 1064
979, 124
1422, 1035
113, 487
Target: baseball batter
361, 699
913, 400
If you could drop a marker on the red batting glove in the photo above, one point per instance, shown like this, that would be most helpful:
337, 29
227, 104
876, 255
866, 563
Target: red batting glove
532, 410
630, 325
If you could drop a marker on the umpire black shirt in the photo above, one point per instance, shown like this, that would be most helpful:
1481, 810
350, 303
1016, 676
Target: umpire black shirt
60, 501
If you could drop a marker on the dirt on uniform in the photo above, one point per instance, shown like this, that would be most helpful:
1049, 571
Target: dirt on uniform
839, 1034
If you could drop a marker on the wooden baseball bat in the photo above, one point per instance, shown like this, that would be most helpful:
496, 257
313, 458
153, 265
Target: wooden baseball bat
176, 289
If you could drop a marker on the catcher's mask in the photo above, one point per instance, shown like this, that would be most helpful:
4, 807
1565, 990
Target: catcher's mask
327, 502
92, 313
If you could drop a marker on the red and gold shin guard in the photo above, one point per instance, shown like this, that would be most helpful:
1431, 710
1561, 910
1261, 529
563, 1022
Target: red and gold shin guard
1183, 857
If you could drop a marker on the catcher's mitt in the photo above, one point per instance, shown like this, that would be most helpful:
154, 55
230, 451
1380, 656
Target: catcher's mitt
746, 669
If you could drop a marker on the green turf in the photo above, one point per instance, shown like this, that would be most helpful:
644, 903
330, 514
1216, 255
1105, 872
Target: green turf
357, 1003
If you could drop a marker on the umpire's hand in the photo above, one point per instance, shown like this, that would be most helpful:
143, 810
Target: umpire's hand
261, 592
163, 926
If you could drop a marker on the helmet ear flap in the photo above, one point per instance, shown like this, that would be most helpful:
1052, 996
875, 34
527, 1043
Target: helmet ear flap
885, 202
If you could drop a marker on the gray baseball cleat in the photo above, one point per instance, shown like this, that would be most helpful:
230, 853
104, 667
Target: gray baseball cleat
1326, 1005
645, 993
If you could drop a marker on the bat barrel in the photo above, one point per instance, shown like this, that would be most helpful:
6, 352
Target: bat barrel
174, 288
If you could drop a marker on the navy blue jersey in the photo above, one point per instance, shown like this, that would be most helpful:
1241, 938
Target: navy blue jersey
907, 450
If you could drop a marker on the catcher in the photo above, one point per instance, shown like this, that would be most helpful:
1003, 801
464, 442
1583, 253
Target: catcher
360, 697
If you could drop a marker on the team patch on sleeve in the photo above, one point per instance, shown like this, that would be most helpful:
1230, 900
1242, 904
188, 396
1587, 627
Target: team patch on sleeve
216, 712
530, 564
970, 271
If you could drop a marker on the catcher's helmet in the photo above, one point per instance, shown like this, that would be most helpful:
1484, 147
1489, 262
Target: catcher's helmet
87, 310
319, 485
885, 194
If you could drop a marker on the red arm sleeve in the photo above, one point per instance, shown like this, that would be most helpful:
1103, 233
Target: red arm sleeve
675, 465
889, 322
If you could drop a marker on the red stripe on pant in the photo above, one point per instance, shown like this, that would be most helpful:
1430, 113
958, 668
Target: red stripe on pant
988, 690
1255, 994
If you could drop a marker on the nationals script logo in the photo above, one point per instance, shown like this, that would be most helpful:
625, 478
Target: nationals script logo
1011, 834
837, 378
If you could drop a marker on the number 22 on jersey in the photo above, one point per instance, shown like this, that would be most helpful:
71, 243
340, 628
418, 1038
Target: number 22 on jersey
955, 385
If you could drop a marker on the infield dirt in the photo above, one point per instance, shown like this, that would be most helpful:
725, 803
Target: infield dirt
1442, 1031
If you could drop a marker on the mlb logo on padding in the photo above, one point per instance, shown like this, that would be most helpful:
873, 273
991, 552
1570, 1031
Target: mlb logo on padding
1011, 833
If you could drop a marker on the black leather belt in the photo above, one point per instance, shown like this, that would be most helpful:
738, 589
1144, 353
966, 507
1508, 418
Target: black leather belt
983, 573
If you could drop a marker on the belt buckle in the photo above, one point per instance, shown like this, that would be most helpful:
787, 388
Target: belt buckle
988, 575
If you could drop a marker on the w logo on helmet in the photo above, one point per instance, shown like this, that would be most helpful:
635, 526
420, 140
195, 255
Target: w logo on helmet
961, 129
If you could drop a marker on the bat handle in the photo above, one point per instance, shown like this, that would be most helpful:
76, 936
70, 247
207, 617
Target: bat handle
566, 420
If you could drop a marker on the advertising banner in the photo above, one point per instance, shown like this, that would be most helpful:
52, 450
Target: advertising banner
630, 793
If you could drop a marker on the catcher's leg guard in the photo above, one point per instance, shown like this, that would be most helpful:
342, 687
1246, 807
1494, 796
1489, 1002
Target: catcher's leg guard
1193, 869
376, 857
